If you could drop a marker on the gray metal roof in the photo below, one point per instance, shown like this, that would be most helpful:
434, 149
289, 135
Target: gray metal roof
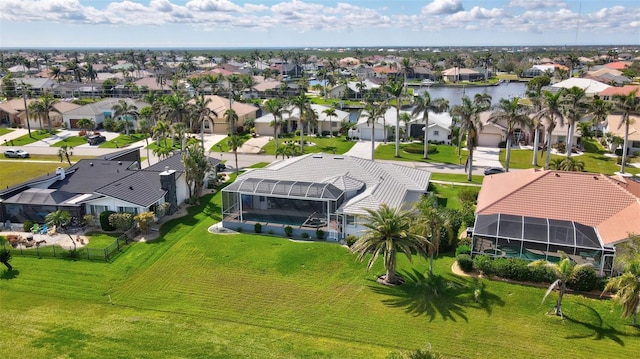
40, 196
287, 188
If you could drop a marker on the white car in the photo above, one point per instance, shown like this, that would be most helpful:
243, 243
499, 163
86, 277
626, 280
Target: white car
16, 153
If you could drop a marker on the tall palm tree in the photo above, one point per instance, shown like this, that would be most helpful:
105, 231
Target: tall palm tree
331, 113
628, 105
373, 112
161, 131
234, 142
60, 219
627, 290
44, 107
179, 129
202, 111
599, 110
90, 74
125, 111
388, 230
276, 107
424, 104
394, 89
534, 94
574, 102
551, 111
301, 102
86, 124
36, 110
175, 107
469, 114
231, 117
562, 271
430, 223
407, 69
512, 113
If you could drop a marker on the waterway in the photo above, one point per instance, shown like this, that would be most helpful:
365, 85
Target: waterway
455, 93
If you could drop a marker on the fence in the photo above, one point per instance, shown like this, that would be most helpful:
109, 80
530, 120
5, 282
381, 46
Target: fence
105, 254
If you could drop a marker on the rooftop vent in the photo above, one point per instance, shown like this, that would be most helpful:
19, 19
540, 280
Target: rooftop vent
120, 162
91, 164
317, 156
338, 158
131, 188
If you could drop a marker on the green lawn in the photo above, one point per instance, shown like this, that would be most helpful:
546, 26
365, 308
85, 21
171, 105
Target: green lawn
196, 294
453, 177
36, 135
448, 194
72, 141
123, 140
337, 145
18, 171
100, 239
222, 146
594, 159
445, 154
4, 131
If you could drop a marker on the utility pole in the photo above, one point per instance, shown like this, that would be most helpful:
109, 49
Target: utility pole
26, 109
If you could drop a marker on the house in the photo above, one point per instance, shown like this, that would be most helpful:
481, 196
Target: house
455, 74
608, 93
535, 214
616, 127
324, 124
363, 128
219, 106
112, 182
591, 87
319, 192
97, 111
12, 113
38, 86
439, 127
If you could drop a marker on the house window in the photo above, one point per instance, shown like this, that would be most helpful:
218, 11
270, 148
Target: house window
96, 210
351, 220
635, 144
334, 124
436, 133
132, 210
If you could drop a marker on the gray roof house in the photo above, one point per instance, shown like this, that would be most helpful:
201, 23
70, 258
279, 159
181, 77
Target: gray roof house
319, 191
97, 111
111, 182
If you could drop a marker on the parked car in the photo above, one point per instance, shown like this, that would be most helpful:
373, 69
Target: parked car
13, 153
96, 139
220, 167
493, 171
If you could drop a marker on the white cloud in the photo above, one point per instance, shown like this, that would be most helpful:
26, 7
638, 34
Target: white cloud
439, 7
538, 4
212, 5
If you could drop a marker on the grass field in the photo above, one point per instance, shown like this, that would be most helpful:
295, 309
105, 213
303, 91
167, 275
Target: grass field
222, 145
337, 145
445, 154
36, 135
71, 141
196, 294
18, 171
4, 131
454, 177
123, 140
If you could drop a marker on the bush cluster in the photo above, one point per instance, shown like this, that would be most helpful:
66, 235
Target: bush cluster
463, 249
418, 148
465, 262
350, 240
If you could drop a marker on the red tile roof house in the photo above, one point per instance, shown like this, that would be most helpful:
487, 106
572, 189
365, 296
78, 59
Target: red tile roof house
535, 214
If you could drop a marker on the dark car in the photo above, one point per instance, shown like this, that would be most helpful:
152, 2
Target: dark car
96, 139
493, 171
16, 153
221, 167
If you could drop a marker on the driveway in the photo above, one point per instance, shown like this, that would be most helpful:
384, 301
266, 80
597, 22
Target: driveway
362, 149
486, 157
254, 144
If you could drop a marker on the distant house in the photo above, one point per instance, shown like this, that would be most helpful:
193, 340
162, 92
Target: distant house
111, 182
324, 124
12, 113
37, 85
615, 126
97, 111
319, 192
536, 214
591, 87
439, 127
461, 74
364, 130
219, 106
492, 133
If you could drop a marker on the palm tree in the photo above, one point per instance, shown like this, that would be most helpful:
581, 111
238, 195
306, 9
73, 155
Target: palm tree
86, 124
44, 107
627, 288
35, 108
5, 258
65, 152
125, 112
276, 107
301, 102
231, 117
60, 219
175, 107
234, 142
394, 89
424, 104
512, 113
91, 75
163, 152
552, 112
562, 271
430, 224
407, 68
628, 105
161, 130
388, 230
331, 113
599, 110
469, 114
203, 112
534, 94
575, 104
566, 164
372, 113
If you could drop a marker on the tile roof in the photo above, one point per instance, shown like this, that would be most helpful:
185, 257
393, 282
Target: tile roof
590, 86
586, 198
616, 127
220, 104
624, 90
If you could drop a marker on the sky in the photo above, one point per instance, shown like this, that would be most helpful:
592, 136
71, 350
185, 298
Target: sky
316, 23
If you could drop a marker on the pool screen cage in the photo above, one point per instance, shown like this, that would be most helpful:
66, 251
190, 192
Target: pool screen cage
530, 238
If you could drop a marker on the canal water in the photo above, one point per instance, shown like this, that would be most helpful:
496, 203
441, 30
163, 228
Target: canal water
455, 93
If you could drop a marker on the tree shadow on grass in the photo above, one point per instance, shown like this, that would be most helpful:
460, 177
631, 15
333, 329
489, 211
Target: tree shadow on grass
435, 295
9, 274
596, 328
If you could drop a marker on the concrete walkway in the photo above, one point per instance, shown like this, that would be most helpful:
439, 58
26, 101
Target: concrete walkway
362, 149
486, 157
254, 144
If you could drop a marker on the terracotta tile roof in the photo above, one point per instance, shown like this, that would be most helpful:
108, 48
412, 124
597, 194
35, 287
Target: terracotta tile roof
615, 126
618, 65
624, 90
586, 198
220, 104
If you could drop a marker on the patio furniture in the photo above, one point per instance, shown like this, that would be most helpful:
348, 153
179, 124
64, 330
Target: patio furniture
43, 229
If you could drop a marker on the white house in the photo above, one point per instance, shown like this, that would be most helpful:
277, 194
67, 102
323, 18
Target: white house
325, 123
364, 126
439, 127
97, 111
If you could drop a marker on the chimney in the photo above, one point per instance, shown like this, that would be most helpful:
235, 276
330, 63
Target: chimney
168, 183
60, 173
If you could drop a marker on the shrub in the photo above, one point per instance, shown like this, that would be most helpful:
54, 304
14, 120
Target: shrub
162, 209
239, 229
257, 228
463, 249
465, 262
584, 279
320, 234
104, 221
144, 221
468, 195
418, 148
483, 264
540, 274
121, 221
305, 235
288, 231
26, 226
82, 133
89, 220
350, 240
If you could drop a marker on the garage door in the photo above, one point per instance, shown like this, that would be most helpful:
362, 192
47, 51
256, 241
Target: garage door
489, 140
73, 123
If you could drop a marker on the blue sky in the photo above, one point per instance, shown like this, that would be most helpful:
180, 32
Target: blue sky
316, 23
